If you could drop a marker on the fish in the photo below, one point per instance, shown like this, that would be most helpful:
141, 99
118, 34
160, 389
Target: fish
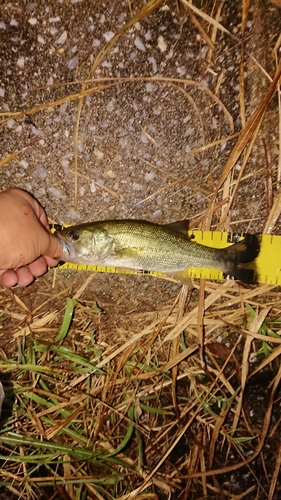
142, 245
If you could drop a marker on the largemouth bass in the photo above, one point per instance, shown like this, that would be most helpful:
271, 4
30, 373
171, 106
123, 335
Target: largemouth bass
142, 245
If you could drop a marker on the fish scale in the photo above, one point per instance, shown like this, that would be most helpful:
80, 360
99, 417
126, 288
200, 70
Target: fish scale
144, 247
131, 246
268, 262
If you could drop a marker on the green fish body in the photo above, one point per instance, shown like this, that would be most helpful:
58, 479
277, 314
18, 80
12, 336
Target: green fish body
138, 244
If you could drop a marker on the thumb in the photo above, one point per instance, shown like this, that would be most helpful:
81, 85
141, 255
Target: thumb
51, 246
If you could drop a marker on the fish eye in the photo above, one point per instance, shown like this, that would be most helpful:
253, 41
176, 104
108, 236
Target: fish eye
74, 236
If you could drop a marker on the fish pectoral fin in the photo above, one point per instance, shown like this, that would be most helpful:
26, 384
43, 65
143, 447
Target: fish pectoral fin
183, 277
180, 226
129, 252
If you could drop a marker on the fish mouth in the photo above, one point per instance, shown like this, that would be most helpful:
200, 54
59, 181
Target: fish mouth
67, 247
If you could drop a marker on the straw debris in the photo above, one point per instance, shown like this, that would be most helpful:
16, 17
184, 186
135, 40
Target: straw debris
113, 392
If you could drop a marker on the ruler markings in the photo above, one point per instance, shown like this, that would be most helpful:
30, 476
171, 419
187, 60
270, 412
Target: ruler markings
267, 265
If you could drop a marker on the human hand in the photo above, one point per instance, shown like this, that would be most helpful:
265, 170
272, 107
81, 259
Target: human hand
27, 246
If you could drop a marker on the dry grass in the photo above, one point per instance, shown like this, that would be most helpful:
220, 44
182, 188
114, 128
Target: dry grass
145, 414
172, 403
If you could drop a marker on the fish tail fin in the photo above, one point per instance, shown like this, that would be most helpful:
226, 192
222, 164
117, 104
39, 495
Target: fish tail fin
237, 256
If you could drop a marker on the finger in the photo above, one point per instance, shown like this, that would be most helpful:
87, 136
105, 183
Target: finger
50, 261
50, 245
25, 277
38, 267
43, 217
9, 278
39, 212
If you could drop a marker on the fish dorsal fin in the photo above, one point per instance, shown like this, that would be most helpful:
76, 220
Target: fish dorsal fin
180, 226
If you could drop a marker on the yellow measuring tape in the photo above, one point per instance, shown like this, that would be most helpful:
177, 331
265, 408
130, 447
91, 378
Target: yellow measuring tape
267, 264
